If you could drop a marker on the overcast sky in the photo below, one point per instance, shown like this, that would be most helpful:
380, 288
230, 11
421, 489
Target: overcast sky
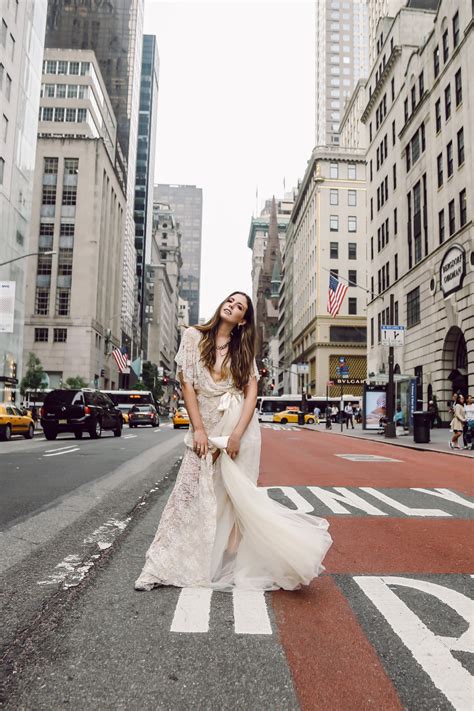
235, 112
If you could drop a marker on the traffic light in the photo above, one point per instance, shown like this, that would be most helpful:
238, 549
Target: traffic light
165, 380
272, 386
264, 372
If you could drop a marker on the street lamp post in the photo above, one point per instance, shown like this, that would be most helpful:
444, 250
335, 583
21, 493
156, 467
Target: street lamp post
23, 256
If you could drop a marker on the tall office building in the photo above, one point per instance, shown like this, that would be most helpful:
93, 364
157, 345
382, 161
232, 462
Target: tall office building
114, 31
186, 203
143, 211
378, 9
22, 27
341, 60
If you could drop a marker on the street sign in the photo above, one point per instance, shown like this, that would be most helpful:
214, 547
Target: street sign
348, 380
393, 336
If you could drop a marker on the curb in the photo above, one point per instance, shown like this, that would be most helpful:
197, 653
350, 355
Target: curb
393, 443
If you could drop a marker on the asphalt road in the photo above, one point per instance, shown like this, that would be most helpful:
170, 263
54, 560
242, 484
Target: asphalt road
385, 627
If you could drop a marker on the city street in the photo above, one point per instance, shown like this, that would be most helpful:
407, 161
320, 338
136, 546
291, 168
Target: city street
386, 626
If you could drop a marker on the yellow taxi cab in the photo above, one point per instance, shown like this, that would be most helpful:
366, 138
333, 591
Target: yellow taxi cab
180, 418
286, 416
13, 421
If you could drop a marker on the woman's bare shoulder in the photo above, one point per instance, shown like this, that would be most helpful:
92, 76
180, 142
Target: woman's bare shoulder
192, 333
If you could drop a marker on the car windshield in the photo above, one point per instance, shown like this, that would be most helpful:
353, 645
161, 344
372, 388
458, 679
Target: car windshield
63, 397
142, 408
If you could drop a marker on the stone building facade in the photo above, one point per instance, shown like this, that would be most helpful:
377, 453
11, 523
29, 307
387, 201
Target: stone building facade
420, 191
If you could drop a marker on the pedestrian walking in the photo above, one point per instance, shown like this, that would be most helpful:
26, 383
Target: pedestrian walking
328, 415
349, 416
468, 430
218, 528
317, 415
433, 412
334, 413
457, 423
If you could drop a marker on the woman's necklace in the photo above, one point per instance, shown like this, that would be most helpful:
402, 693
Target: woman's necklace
223, 347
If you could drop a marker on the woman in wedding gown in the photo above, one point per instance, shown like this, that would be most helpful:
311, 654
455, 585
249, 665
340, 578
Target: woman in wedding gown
218, 528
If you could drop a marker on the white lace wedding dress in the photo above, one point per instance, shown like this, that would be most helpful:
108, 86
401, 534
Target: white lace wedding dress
218, 528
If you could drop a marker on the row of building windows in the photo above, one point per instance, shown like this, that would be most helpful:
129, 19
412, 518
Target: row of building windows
7, 41
334, 223
63, 301
51, 166
59, 335
450, 158
415, 147
69, 195
351, 171
53, 66
64, 91
60, 114
382, 193
451, 215
5, 82
351, 197
351, 250
445, 44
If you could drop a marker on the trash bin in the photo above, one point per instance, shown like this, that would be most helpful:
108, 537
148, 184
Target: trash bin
421, 427
301, 418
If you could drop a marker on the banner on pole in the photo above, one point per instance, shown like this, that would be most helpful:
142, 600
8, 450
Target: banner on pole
7, 306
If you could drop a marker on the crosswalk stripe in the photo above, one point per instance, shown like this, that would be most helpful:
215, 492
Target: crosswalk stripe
192, 611
250, 612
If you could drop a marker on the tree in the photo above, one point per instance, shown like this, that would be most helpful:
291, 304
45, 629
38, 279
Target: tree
151, 380
75, 383
34, 378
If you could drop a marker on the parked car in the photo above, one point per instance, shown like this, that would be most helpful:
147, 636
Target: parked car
180, 418
292, 416
13, 421
143, 415
80, 411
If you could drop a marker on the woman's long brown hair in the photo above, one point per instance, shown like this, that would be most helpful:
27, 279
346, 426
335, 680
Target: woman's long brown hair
241, 351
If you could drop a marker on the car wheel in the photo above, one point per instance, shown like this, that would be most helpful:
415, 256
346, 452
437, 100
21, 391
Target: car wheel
30, 433
131, 427
310, 421
176, 427
6, 433
50, 434
284, 421
96, 430
78, 434
118, 431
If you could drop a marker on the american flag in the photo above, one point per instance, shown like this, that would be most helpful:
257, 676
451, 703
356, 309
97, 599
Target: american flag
337, 292
121, 358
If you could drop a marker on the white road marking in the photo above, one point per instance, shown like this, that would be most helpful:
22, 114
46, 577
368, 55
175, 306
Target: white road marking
58, 449
367, 458
129, 436
349, 498
105, 535
192, 611
250, 612
431, 651
407, 510
447, 495
68, 451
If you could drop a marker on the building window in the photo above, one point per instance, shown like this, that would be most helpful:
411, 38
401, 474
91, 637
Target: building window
352, 198
460, 146
438, 115
334, 223
71, 166
2, 170
439, 165
60, 335
81, 115
455, 30
405, 110
458, 87
47, 113
61, 91
65, 261
395, 221
352, 223
334, 273
352, 277
352, 305
351, 171
333, 170
445, 46
50, 166
372, 331
352, 250
45, 262
413, 307
441, 226
394, 176
449, 159
462, 208
392, 88
41, 335
395, 269
447, 102
393, 133
49, 195
421, 84
71, 115
451, 218
70, 195
436, 61
41, 301
413, 98
63, 297
334, 197
334, 250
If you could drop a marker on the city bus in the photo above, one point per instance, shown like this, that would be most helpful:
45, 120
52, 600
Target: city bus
268, 405
126, 399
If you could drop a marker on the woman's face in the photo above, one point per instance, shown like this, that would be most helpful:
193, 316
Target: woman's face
233, 310
469, 400
461, 399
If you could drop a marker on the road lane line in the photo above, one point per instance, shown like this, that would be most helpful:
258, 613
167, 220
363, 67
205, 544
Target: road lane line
59, 449
56, 454
192, 611
250, 612
129, 436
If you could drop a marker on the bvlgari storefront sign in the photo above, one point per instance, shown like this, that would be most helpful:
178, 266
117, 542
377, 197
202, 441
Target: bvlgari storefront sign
453, 269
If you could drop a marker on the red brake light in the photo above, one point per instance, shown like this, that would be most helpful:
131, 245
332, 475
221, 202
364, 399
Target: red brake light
42, 412
87, 410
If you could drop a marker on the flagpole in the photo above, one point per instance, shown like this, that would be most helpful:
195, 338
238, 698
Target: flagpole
349, 283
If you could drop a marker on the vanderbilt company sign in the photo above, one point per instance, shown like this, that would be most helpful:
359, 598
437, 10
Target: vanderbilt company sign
452, 270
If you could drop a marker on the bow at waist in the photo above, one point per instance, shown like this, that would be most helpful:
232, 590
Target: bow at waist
229, 398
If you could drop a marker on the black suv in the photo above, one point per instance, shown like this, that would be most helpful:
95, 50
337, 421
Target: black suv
79, 411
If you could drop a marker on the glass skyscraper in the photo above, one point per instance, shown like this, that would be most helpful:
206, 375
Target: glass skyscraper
143, 210
186, 203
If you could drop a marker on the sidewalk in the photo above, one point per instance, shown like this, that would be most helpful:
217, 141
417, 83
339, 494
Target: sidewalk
439, 439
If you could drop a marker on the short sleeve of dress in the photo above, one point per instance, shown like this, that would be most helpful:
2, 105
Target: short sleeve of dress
188, 355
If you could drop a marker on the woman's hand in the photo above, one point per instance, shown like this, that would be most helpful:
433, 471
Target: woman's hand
233, 445
200, 443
